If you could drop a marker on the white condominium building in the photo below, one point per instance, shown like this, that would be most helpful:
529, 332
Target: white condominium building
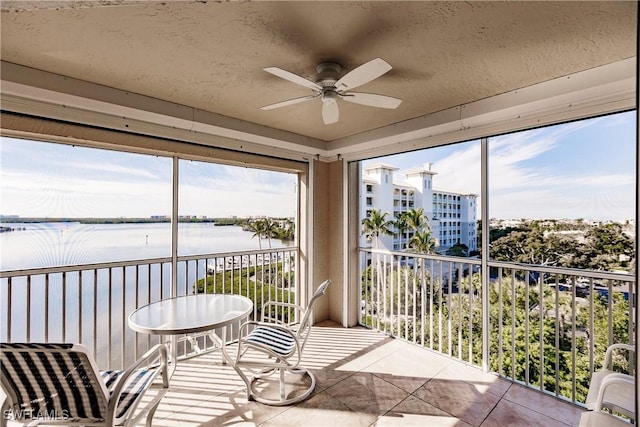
452, 216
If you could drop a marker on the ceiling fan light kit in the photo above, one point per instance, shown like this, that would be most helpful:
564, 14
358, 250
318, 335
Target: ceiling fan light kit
329, 88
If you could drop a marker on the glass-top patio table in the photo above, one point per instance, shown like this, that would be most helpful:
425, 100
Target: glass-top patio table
192, 314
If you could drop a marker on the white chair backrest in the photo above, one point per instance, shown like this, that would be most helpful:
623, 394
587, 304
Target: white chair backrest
305, 323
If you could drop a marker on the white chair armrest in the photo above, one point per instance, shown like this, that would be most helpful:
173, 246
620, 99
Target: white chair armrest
609, 353
156, 355
620, 397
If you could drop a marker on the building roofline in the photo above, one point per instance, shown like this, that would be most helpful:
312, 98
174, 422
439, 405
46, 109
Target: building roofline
380, 165
417, 171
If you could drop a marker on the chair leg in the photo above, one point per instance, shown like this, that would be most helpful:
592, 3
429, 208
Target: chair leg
283, 400
282, 387
151, 413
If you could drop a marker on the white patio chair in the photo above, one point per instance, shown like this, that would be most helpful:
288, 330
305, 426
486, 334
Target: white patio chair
283, 345
615, 383
59, 384
617, 398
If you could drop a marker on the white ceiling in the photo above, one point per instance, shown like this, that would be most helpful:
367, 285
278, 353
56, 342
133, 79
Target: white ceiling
210, 55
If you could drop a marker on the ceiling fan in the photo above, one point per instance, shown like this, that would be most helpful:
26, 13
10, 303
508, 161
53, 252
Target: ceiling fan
329, 88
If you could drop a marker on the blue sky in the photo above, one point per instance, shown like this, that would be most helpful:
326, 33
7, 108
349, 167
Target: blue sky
583, 169
54, 180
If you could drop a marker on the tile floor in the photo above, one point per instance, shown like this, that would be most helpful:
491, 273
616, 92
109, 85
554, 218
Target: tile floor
364, 378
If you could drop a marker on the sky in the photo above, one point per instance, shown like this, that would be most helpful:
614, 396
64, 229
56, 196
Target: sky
54, 180
583, 169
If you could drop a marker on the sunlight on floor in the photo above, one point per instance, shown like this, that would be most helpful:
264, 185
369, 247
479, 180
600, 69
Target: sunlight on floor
364, 378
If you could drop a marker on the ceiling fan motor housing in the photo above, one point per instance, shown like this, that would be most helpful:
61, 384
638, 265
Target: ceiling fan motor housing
328, 73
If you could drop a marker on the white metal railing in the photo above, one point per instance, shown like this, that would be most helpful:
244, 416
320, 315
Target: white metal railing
548, 327
90, 303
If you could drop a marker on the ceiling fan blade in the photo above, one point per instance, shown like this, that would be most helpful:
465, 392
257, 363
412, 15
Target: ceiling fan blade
372, 100
330, 111
363, 74
289, 102
287, 75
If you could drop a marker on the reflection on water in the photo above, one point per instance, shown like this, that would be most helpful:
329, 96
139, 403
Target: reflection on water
57, 244
92, 306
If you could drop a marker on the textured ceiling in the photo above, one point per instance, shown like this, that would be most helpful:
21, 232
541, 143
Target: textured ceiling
210, 55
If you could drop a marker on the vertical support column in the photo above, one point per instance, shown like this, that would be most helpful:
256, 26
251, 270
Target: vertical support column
174, 230
334, 243
636, 285
484, 193
174, 251
346, 282
304, 275
351, 257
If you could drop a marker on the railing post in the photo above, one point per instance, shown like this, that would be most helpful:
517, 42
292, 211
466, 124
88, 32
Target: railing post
484, 193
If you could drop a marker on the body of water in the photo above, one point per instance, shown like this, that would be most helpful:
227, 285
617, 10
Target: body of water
92, 306
35, 245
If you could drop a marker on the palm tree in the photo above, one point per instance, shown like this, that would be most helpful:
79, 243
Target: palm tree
423, 242
401, 224
416, 219
257, 227
269, 228
375, 224
413, 219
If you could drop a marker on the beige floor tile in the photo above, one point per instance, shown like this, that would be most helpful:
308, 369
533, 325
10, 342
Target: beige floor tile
333, 347
364, 378
406, 383
416, 412
508, 414
367, 393
326, 378
538, 401
224, 409
463, 400
410, 361
320, 410
484, 382
372, 355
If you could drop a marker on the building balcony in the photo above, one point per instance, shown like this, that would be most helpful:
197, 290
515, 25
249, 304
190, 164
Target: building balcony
518, 338
429, 304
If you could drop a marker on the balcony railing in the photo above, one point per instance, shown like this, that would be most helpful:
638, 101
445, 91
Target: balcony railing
547, 327
90, 303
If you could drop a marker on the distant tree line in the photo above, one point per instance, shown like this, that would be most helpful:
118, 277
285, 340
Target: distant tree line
603, 246
269, 228
570, 244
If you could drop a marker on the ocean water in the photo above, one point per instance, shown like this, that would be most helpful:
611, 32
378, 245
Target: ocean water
59, 244
92, 307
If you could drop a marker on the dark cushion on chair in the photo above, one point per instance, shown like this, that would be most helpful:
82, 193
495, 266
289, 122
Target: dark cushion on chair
57, 384
273, 338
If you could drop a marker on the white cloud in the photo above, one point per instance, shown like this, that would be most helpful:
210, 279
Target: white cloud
41, 179
527, 177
